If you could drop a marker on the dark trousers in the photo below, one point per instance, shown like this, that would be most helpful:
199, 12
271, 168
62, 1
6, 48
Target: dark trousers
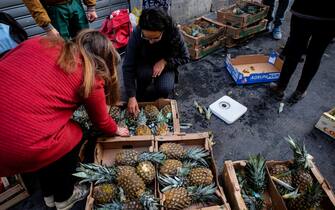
306, 36
56, 179
162, 85
279, 16
68, 18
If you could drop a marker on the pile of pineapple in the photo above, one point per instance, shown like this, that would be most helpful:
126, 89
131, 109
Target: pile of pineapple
201, 28
150, 120
185, 178
128, 184
295, 182
253, 182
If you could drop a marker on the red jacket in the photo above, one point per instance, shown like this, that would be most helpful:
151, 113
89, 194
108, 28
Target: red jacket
37, 100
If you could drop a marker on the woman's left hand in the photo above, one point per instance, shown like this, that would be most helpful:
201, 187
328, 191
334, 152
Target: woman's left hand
158, 68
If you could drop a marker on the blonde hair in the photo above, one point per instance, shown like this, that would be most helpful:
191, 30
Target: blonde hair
98, 58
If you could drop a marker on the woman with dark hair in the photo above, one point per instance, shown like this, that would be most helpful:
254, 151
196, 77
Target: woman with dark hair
43, 81
155, 50
11, 33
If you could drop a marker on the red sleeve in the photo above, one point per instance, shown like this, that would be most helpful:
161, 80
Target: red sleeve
96, 108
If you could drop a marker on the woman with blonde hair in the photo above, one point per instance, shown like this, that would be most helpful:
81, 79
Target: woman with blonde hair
43, 81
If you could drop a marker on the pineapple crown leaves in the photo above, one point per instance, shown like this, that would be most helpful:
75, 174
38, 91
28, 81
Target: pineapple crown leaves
161, 118
115, 205
155, 157
313, 195
95, 173
292, 195
197, 154
149, 201
301, 158
169, 182
255, 173
203, 194
186, 168
142, 119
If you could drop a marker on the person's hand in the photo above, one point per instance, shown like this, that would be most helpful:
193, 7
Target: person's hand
53, 32
122, 131
92, 16
133, 106
158, 68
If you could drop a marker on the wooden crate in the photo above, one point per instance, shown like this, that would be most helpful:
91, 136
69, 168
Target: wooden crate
196, 42
238, 33
105, 152
227, 16
160, 103
200, 52
233, 190
16, 193
229, 42
196, 140
328, 203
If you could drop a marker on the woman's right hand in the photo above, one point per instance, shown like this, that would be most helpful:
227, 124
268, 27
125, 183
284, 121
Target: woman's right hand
122, 131
133, 106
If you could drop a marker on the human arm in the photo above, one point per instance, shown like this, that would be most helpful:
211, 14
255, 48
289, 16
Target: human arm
96, 107
180, 55
129, 71
91, 13
40, 16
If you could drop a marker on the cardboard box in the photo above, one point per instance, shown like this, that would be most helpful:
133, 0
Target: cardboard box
228, 17
197, 53
196, 42
238, 33
328, 201
160, 103
233, 190
14, 194
327, 123
249, 69
105, 152
196, 140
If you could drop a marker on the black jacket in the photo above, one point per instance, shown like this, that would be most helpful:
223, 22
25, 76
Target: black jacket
322, 9
140, 52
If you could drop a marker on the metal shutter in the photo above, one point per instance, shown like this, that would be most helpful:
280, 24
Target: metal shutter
18, 10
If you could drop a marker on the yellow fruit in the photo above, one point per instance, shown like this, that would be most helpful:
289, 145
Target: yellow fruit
170, 167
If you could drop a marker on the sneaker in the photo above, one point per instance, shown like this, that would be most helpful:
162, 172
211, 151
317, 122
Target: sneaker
79, 193
276, 33
297, 96
49, 201
277, 91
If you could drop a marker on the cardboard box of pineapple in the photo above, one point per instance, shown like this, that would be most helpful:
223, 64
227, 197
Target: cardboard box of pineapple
125, 174
187, 179
156, 118
282, 185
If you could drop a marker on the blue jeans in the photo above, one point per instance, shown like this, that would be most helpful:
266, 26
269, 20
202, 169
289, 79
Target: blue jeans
280, 13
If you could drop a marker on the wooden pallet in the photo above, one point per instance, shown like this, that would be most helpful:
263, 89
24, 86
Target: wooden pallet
14, 194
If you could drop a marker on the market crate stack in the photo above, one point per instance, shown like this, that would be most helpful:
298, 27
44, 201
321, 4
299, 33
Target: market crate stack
203, 36
243, 20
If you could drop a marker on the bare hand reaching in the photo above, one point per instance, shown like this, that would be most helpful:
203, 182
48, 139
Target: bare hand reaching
158, 68
133, 106
122, 131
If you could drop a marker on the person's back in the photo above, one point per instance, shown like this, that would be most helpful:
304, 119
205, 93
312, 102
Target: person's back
36, 103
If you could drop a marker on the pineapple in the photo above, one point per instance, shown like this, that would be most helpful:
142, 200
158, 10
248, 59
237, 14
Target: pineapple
170, 167
146, 170
115, 113
309, 199
132, 184
125, 169
142, 128
177, 151
172, 150
181, 198
104, 193
167, 111
283, 173
126, 157
131, 119
162, 126
151, 113
200, 176
301, 177
122, 120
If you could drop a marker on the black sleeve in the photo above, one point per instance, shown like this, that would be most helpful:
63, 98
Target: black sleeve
181, 55
129, 64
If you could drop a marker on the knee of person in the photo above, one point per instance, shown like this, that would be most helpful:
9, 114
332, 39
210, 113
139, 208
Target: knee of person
164, 90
